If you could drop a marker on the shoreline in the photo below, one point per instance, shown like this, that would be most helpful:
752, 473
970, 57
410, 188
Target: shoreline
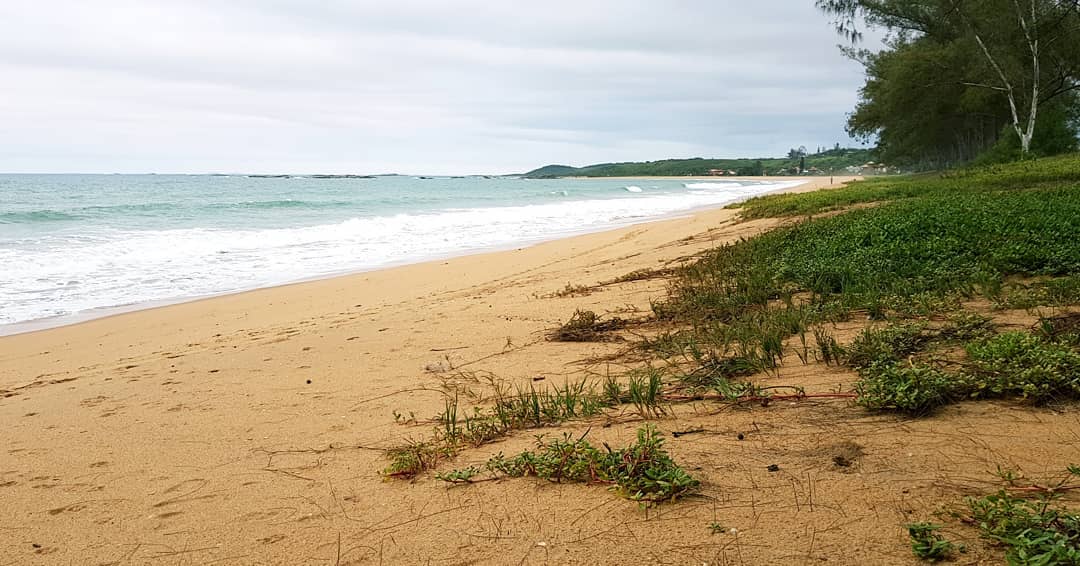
78, 318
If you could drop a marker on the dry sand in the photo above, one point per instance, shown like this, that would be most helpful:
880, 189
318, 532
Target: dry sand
247, 430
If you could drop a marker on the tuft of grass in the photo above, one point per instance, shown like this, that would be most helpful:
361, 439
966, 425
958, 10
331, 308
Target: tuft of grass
587, 326
412, 459
642, 471
573, 291
517, 409
1055, 292
638, 275
965, 326
645, 391
927, 543
828, 349
1063, 329
892, 343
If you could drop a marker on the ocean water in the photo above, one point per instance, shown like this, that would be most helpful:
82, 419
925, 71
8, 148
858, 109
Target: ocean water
72, 246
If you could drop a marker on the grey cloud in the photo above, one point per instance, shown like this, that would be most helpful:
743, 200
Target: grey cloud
412, 85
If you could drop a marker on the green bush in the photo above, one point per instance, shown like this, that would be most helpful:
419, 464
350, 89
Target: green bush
915, 390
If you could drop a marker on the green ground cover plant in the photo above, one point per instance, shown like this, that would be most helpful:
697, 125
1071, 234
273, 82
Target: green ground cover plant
642, 471
936, 241
1036, 530
927, 543
1020, 176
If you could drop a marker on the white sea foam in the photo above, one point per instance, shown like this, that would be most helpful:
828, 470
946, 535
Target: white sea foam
59, 275
633, 189
712, 185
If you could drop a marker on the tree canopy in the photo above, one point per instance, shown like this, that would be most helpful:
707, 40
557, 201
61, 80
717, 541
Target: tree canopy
959, 78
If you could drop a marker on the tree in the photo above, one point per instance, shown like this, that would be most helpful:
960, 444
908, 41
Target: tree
1025, 52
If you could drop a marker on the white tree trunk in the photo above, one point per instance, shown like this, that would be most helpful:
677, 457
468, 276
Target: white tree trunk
1024, 131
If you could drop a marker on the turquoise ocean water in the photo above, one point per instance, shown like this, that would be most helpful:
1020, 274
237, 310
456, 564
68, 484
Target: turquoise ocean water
75, 246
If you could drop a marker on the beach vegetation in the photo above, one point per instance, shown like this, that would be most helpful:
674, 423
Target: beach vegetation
587, 326
412, 458
1061, 329
1053, 172
1031, 522
642, 471
1035, 530
1056, 292
638, 275
572, 290
927, 543
931, 243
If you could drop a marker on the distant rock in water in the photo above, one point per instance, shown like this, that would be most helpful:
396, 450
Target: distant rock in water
342, 177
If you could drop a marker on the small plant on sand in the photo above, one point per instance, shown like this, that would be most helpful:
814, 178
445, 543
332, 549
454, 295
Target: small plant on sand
828, 350
1062, 329
964, 326
927, 543
586, 326
1018, 364
573, 291
639, 275
1034, 531
642, 471
913, 389
889, 344
412, 459
1054, 292
513, 409
645, 392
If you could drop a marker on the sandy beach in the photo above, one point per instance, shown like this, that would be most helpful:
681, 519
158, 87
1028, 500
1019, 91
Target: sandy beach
250, 429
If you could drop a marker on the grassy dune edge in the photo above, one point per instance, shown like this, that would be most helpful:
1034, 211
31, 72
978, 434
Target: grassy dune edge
922, 275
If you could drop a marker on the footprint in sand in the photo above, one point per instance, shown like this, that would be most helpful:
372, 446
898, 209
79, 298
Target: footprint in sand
93, 401
167, 514
73, 508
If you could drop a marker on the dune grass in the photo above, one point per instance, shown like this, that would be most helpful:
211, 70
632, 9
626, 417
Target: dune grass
1009, 234
1044, 173
642, 471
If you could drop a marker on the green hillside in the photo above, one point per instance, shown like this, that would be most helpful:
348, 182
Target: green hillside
824, 162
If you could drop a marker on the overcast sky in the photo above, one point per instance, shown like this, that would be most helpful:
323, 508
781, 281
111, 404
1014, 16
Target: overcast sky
418, 86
